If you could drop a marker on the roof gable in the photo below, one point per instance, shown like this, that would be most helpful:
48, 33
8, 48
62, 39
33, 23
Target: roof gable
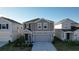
37, 20
67, 19
33, 20
10, 20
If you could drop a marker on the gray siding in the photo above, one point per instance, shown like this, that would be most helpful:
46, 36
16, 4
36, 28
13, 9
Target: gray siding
51, 26
59, 33
33, 26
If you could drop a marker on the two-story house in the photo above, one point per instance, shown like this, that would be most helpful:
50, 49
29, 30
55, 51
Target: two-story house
67, 29
9, 29
39, 30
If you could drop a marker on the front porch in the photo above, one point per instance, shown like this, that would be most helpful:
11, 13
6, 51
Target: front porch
68, 35
27, 35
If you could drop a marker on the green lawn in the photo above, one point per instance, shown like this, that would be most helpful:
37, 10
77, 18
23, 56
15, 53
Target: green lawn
65, 46
10, 47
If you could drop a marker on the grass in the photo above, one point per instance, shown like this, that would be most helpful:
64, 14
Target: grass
66, 45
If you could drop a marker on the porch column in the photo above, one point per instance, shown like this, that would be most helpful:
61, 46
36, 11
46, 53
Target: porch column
64, 36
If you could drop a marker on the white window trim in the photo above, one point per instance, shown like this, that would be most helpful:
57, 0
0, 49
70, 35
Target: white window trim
45, 24
39, 24
4, 26
27, 26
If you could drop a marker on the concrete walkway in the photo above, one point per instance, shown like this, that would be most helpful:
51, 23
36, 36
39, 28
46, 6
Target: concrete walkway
43, 46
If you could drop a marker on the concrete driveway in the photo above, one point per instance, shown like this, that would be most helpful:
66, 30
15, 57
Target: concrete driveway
43, 46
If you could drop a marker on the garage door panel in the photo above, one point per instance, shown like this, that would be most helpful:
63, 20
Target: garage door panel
42, 36
5, 39
5, 36
37, 38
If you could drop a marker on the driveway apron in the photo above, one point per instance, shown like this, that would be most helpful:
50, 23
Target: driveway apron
43, 46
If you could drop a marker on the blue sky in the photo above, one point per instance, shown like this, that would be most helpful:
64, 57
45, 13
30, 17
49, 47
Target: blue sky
22, 14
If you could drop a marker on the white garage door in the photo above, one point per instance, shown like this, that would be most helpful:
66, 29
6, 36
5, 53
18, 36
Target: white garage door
5, 39
44, 36
38, 38
4, 36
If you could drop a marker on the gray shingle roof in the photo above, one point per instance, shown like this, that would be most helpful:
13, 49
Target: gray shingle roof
33, 20
66, 19
10, 20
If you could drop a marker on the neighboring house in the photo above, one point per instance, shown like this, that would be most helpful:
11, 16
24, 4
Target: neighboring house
67, 30
9, 29
39, 30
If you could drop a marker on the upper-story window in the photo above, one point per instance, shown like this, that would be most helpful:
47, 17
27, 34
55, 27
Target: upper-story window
3, 26
21, 27
7, 26
27, 26
45, 25
39, 26
24, 26
0, 26
66, 26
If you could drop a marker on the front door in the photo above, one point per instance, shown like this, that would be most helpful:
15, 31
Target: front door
67, 35
26, 36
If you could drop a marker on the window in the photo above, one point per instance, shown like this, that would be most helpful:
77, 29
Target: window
66, 26
17, 27
3, 26
21, 27
6, 26
27, 26
24, 25
0, 26
39, 26
45, 25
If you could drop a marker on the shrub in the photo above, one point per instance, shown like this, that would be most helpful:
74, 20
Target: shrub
9, 41
20, 42
29, 44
